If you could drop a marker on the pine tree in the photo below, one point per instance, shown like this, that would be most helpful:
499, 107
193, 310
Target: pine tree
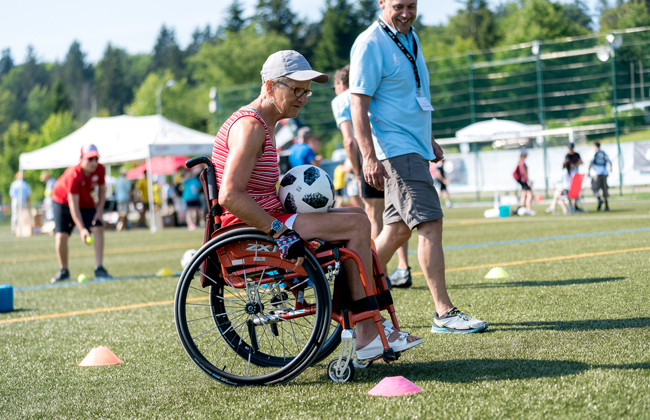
235, 21
111, 82
60, 101
340, 27
198, 38
77, 77
6, 62
477, 22
167, 54
276, 16
578, 12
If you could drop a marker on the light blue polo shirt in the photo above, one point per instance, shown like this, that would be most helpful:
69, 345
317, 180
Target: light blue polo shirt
19, 190
379, 69
341, 108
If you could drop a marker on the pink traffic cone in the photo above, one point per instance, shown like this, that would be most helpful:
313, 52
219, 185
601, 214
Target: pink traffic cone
394, 386
100, 356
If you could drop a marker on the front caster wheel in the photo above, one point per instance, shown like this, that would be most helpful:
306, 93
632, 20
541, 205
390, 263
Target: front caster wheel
340, 373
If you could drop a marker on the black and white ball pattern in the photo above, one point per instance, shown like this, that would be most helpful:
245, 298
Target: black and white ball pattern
306, 189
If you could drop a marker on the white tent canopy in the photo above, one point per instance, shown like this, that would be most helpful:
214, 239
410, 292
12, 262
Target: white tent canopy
123, 139
487, 130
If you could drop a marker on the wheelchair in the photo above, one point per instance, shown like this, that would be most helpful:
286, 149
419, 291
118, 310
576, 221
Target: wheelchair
245, 316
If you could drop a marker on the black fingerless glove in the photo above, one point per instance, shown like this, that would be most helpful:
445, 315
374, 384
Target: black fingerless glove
291, 246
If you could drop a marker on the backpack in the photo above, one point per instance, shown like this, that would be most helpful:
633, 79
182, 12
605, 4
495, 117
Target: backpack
516, 174
600, 158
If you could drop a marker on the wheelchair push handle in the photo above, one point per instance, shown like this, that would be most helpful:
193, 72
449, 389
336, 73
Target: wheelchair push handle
212, 182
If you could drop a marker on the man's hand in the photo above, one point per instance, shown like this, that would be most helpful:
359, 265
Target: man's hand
84, 234
98, 217
374, 173
437, 150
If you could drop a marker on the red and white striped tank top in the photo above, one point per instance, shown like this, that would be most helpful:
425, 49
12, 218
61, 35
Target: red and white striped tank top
266, 173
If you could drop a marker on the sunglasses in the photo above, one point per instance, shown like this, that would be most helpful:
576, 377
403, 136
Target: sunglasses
298, 91
94, 158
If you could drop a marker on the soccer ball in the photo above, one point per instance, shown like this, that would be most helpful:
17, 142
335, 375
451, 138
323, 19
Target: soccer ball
306, 189
187, 257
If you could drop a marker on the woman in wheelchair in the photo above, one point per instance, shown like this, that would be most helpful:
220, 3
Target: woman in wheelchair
245, 162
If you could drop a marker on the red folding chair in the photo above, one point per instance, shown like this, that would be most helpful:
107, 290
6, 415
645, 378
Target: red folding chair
575, 193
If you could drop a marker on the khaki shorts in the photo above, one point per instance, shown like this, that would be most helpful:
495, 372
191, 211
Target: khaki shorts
409, 194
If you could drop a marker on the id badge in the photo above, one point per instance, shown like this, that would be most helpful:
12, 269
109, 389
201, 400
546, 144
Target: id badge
424, 103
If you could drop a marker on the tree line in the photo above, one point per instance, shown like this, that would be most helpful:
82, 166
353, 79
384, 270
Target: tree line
41, 102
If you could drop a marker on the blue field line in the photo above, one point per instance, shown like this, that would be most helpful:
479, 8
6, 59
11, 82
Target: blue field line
549, 238
74, 283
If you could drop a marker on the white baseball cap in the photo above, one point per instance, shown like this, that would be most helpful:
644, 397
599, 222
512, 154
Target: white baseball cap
291, 64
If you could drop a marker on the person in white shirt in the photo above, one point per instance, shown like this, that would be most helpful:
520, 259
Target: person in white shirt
19, 191
563, 186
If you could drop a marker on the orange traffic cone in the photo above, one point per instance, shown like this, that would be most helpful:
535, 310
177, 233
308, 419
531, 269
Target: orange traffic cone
100, 356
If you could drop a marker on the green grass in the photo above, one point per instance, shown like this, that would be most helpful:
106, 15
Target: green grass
567, 338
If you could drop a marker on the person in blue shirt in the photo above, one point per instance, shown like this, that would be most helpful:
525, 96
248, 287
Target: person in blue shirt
391, 115
191, 194
123, 197
304, 151
20, 192
48, 210
599, 181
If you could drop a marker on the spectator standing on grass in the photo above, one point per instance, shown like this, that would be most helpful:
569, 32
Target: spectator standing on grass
123, 197
573, 157
521, 175
74, 206
442, 180
391, 114
48, 211
305, 149
562, 189
191, 194
20, 193
373, 198
599, 182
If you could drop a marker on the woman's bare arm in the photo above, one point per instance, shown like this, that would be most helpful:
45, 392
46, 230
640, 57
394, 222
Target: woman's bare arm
246, 142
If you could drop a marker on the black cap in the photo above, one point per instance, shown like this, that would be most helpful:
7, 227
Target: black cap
571, 145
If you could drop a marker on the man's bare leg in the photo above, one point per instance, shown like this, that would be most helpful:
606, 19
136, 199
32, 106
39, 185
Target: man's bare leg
61, 247
98, 244
375, 211
432, 261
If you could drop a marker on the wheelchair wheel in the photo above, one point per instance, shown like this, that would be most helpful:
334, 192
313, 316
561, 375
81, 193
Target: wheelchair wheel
257, 321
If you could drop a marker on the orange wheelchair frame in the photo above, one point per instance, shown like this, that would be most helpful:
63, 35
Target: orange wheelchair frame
266, 321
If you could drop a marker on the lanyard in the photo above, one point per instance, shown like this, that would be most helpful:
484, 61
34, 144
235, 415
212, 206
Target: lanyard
405, 51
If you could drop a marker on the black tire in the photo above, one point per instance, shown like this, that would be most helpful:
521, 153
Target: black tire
235, 335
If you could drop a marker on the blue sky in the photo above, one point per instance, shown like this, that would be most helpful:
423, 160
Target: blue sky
51, 26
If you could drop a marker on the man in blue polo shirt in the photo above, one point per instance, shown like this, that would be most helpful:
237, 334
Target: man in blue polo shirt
391, 114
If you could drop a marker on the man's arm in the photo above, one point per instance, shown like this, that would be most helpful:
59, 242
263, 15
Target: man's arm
73, 203
373, 171
100, 203
350, 145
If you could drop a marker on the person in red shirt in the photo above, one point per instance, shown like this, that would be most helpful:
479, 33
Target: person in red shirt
74, 206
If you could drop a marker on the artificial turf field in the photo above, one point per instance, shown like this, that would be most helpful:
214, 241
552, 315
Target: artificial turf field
568, 336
